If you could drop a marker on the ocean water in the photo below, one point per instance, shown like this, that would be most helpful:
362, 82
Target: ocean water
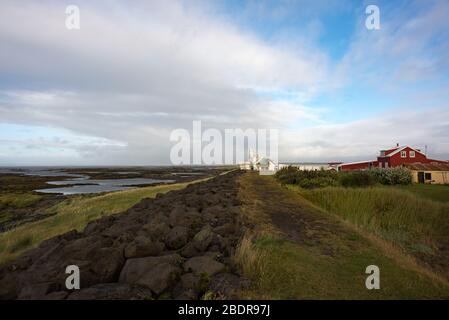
79, 183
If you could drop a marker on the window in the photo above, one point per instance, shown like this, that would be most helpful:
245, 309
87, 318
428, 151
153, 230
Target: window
411, 154
428, 176
403, 154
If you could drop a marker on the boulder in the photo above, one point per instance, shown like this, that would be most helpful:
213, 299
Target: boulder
177, 237
225, 229
112, 291
38, 290
190, 251
155, 273
203, 265
142, 247
189, 294
189, 281
203, 238
228, 285
156, 230
8, 287
58, 295
105, 264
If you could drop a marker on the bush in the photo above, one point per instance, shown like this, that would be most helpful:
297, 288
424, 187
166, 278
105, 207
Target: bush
307, 179
326, 178
358, 179
393, 176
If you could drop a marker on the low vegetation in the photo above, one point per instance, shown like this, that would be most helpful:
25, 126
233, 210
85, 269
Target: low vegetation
315, 256
73, 213
311, 179
383, 203
434, 192
393, 214
18, 200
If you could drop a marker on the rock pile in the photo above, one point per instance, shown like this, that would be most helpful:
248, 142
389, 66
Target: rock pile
178, 245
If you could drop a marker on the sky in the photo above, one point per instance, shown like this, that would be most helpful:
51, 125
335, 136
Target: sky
111, 92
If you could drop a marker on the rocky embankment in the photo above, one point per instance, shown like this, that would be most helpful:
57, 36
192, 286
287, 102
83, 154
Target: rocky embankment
178, 245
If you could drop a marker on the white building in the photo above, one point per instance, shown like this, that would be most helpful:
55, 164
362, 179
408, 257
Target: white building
266, 166
309, 166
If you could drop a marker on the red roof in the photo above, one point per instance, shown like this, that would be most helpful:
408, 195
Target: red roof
387, 152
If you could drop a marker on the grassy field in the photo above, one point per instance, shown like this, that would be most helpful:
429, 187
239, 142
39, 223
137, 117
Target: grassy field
391, 213
428, 191
415, 224
315, 255
74, 213
18, 200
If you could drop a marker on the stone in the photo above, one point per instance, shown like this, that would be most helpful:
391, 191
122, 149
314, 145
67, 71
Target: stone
190, 251
58, 295
155, 273
142, 247
203, 265
156, 230
112, 291
37, 291
177, 237
189, 281
228, 285
105, 265
8, 287
203, 238
225, 229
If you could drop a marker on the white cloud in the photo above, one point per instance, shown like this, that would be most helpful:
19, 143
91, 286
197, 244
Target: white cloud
362, 139
133, 75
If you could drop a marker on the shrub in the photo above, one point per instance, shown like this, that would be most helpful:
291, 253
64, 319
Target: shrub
393, 176
307, 178
358, 179
310, 179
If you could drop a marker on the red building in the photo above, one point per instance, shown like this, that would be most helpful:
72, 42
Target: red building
394, 157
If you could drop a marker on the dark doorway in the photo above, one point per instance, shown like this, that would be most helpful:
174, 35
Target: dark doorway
420, 177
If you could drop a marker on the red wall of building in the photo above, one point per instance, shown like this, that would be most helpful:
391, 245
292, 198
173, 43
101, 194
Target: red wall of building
396, 160
358, 166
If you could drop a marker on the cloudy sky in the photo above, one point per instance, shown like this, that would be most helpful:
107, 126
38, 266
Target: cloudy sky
111, 92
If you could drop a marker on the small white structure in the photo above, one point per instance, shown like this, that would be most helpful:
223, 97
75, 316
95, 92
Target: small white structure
308, 166
266, 166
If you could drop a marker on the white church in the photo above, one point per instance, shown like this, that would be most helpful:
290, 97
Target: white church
264, 165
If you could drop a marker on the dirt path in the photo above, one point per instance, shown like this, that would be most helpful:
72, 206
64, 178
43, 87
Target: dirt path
288, 212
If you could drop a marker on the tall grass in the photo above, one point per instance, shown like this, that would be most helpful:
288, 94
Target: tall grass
392, 214
18, 200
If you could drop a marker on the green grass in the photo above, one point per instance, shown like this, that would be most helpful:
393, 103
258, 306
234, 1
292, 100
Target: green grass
391, 213
18, 200
73, 213
428, 191
286, 270
330, 258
